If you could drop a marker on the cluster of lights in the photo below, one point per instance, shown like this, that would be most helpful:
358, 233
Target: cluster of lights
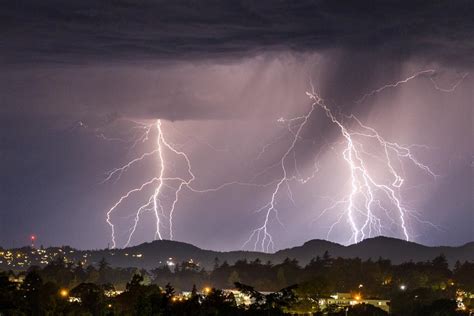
460, 297
170, 262
16, 258
134, 255
184, 296
112, 293
24, 257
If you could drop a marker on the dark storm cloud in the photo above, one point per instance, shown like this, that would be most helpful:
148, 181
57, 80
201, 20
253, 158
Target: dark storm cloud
161, 54
90, 31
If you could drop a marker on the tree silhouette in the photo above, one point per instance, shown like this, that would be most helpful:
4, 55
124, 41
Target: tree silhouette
91, 296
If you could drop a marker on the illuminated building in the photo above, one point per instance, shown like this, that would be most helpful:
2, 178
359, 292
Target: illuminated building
348, 299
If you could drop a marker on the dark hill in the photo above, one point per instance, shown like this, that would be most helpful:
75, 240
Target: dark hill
388, 248
153, 254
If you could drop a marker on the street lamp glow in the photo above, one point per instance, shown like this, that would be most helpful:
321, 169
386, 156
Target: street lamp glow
403, 287
64, 293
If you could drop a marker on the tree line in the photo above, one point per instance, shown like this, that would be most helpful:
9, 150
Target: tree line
413, 288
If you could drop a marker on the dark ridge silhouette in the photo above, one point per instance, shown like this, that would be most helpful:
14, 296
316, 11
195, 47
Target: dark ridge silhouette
152, 254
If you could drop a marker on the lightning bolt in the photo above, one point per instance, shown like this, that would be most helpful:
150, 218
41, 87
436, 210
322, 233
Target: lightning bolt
263, 239
368, 196
175, 183
363, 183
153, 202
370, 199
430, 73
453, 86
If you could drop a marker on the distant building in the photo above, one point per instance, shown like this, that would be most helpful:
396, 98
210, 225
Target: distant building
240, 298
16, 279
348, 299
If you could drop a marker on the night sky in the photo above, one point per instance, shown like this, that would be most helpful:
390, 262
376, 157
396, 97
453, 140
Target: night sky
79, 79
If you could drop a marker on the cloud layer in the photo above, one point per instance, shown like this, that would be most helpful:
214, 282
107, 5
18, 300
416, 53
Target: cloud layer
89, 31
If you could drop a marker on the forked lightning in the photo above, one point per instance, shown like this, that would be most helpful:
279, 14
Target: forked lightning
373, 198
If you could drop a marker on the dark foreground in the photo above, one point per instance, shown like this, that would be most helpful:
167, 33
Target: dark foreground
370, 287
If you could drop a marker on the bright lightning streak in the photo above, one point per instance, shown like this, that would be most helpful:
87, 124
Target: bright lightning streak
154, 202
266, 241
182, 183
119, 171
160, 181
453, 87
367, 202
363, 203
117, 204
396, 84
429, 72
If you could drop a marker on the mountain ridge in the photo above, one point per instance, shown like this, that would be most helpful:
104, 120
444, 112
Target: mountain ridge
149, 255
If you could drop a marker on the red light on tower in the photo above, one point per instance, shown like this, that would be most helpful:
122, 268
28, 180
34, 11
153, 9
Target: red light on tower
32, 238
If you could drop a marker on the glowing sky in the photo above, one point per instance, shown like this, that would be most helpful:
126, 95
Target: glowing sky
78, 76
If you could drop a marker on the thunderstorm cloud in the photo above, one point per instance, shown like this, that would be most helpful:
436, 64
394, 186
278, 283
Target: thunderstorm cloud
74, 71
172, 52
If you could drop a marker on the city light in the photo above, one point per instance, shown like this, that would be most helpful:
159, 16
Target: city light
64, 293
